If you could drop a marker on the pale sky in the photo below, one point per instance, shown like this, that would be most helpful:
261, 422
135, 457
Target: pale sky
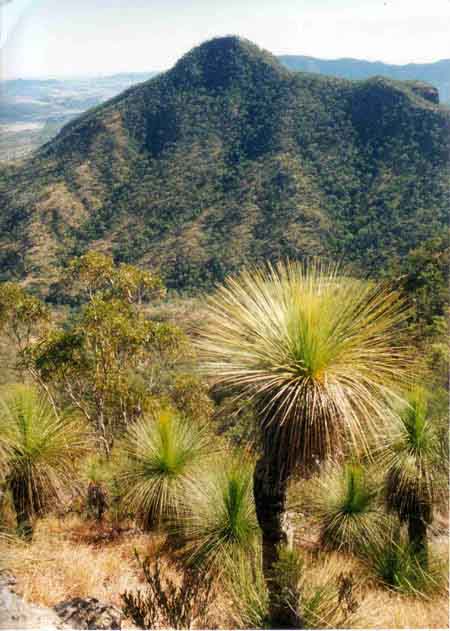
79, 37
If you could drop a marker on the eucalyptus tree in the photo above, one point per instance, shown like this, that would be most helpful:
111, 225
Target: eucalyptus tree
320, 355
102, 361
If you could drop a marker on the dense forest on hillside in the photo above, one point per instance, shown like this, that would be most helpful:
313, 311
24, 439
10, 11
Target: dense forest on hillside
229, 158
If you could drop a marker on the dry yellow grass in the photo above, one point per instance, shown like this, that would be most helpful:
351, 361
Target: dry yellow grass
378, 607
63, 561
72, 556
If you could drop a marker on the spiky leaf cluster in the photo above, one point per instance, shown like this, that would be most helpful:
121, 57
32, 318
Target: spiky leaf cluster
319, 354
344, 501
411, 457
220, 523
39, 449
158, 458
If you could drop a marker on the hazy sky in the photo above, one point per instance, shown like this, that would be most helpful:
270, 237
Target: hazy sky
76, 37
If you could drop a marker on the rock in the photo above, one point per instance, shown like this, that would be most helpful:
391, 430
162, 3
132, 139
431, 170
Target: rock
16, 613
89, 613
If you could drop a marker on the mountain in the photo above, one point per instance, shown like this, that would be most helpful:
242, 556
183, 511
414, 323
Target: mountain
436, 73
32, 111
230, 158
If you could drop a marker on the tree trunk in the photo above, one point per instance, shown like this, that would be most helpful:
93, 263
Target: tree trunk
269, 488
24, 520
417, 532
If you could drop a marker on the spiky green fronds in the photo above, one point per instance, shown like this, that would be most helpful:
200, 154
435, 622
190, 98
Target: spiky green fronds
40, 448
326, 601
158, 458
244, 584
411, 458
220, 522
318, 352
397, 566
344, 501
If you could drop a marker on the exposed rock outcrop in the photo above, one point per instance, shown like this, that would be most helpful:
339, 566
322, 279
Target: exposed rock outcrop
89, 613
16, 613
76, 613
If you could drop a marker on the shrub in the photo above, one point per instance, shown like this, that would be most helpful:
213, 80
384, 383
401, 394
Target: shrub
41, 450
397, 566
345, 506
168, 604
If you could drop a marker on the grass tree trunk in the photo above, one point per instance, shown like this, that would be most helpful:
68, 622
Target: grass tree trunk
23, 516
417, 532
270, 489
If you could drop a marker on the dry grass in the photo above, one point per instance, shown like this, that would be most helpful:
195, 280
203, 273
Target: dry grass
77, 557
378, 607
64, 560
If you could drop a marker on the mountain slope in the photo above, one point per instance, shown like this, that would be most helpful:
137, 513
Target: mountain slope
230, 158
436, 73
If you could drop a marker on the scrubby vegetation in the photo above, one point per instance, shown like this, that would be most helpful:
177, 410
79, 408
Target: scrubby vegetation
279, 461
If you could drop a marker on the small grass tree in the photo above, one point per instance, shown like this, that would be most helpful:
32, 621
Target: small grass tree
319, 354
346, 508
158, 458
411, 456
220, 525
39, 450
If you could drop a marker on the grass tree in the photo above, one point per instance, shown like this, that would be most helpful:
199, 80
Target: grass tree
345, 504
39, 450
220, 525
319, 354
158, 459
411, 456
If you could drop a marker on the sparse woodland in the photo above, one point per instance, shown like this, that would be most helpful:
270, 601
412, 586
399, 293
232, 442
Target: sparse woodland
271, 455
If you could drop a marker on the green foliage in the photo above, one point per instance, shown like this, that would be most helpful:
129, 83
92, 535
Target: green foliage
220, 522
159, 458
345, 506
39, 450
21, 314
397, 566
318, 353
102, 361
411, 457
167, 603
245, 161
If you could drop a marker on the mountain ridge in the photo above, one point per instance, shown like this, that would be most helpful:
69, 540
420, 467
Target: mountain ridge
229, 158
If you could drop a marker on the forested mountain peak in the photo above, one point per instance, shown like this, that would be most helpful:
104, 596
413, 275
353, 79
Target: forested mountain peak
229, 158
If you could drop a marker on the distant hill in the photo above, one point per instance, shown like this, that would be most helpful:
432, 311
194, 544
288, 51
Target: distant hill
229, 158
436, 73
32, 111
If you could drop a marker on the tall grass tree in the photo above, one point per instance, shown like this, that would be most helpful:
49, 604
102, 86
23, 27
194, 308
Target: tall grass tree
412, 458
40, 449
319, 354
